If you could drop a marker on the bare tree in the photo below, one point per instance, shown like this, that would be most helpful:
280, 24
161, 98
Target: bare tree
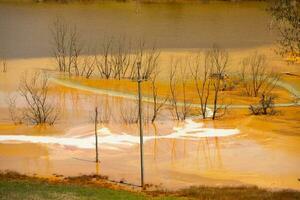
218, 60
105, 110
39, 108
184, 76
75, 49
59, 36
265, 106
157, 103
88, 66
16, 115
202, 81
286, 14
4, 64
129, 112
104, 62
148, 59
178, 84
151, 63
66, 46
173, 82
121, 59
260, 79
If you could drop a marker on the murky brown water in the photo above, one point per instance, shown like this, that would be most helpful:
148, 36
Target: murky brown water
24, 29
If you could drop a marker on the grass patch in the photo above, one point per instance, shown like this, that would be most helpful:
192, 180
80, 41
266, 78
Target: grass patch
40, 190
16, 186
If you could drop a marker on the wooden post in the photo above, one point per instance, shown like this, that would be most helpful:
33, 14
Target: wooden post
96, 134
139, 80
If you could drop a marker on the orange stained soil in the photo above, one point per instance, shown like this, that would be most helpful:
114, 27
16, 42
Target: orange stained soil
264, 153
232, 97
293, 79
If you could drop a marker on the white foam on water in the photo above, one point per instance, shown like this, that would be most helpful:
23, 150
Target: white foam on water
189, 131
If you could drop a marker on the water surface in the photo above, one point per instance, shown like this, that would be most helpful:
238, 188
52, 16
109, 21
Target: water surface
24, 29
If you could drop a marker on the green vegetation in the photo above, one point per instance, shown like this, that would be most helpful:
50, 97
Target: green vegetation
16, 186
29, 189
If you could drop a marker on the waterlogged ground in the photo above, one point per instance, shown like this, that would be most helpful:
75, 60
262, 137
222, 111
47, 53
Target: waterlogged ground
237, 149
183, 157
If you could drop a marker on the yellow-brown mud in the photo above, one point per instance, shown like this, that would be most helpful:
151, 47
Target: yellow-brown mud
235, 96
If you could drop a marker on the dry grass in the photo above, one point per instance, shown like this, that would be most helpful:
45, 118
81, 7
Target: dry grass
243, 193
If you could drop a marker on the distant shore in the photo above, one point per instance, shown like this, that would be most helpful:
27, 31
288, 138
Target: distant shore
102, 1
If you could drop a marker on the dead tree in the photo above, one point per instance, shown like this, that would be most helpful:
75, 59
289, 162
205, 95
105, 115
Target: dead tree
75, 50
286, 15
173, 82
148, 59
265, 105
88, 66
121, 59
129, 112
218, 60
200, 74
260, 79
66, 46
104, 62
185, 108
35, 92
105, 110
16, 115
151, 58
4, 65
60, 42
157, 103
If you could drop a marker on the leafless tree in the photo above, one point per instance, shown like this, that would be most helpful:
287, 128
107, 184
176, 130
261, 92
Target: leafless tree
60, 42
104, 62
184, 77
129, 112
66, 46
218, 60
16, 114
4, 64
265, 106
121, 58
260, 79
173, 83
104, 111
88, 66
200, 73
148, 59
39, 108
242, 73
75, 50
286, 15
178, 79
157, 103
